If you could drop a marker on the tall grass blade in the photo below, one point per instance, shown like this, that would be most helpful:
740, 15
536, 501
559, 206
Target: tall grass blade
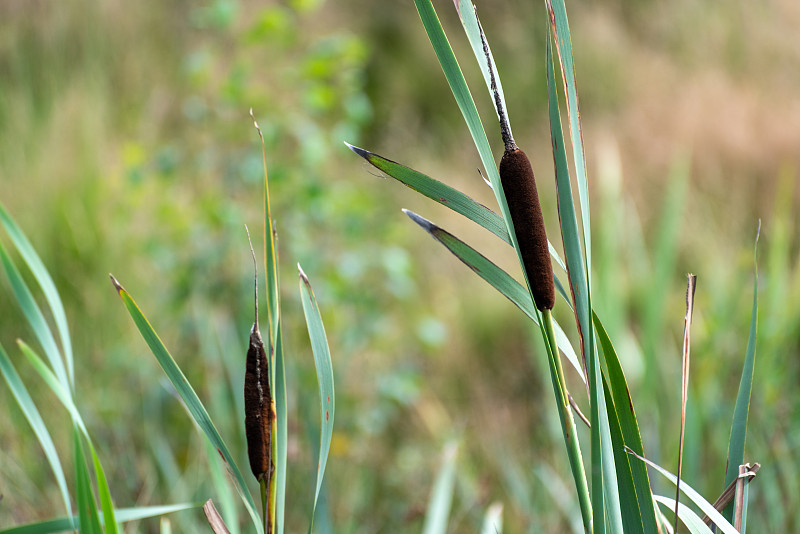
497, 278
31, 413
493, 519
322, 361
42, 276
575, 268
190, 398
34, 316
629, 426
706, 507
87, 507
438, 513
560, 27
469, 20
628, 501
124, 515
104, 493
686, 515
58, 389
742, 408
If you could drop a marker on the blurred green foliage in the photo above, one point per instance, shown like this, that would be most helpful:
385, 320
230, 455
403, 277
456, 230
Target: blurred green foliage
126, 146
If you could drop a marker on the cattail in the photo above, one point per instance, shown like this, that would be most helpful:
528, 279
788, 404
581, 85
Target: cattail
519, 187
258, 411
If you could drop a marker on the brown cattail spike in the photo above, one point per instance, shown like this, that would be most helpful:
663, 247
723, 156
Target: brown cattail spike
519, 187
258, 401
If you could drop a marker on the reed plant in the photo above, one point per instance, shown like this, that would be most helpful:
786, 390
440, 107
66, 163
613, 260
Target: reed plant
613, 488
264, 401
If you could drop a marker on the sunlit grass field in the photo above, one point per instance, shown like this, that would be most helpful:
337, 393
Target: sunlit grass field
126, 146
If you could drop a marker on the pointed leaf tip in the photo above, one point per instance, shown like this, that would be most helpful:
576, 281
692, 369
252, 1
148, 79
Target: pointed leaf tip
303, 276
116, 283
422, 221
360, 151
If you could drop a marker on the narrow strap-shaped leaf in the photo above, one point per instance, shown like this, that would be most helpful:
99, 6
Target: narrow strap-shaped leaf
453, 199
620, 394
742, 408
557, 11
628, 502
124, 515
686, 515
55, 386
87, 507
577, 264
34, 316
573, 253
469, 20
63, 395
190, 398
438, 513
42, 276
497, 278
104, 494
322, 361
31, 413
693, 496
438, 191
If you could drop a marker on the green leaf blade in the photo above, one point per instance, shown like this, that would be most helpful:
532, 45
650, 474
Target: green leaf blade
34, 316
742, 408
46, 283
189, 397
34, 418
439, 192
324, 366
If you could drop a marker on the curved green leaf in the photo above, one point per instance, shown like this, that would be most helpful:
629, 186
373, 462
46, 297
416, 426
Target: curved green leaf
58, 389
695, 497
686, 515
31, 413
322, 361
190, 398
42, 276
34, 316
438, 191
497, 278
124, 515
87, 507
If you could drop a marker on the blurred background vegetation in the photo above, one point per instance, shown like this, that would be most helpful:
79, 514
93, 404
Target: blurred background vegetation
126, 147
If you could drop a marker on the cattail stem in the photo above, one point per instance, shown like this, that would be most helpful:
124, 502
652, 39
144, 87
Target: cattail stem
567, 420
